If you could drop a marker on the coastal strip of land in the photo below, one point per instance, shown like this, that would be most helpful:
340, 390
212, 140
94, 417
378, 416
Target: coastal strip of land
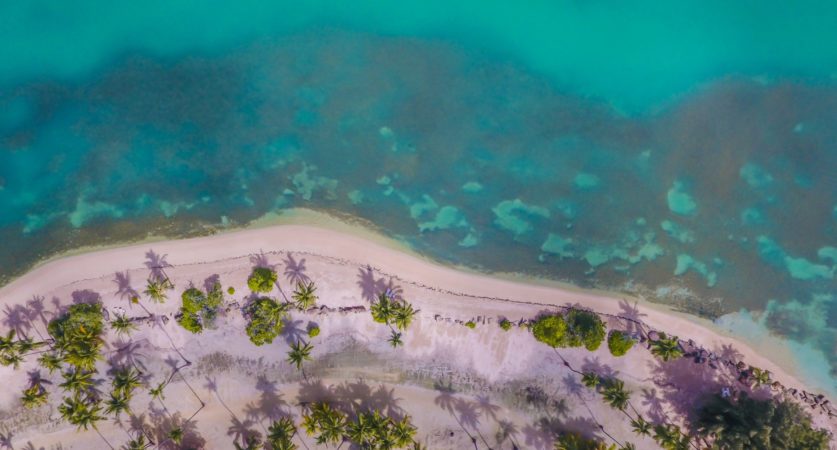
350, 266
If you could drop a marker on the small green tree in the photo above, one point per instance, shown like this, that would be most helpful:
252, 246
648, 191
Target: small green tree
231, 290
314, 331
262, 280
619, 343
265, 320
471, 324
505, 324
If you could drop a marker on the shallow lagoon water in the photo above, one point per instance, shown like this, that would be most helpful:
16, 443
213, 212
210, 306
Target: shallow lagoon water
687, 157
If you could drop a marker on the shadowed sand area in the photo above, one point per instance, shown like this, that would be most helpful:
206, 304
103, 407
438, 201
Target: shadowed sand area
460, 386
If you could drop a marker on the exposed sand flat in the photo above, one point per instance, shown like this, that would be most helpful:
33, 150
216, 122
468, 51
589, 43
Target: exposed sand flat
489, 368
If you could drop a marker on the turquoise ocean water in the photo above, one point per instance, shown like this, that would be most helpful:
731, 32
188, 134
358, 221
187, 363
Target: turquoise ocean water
686, 152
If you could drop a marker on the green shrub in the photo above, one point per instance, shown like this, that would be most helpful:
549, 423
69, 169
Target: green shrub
231, 290
505, 325
262, 280
551, 330
314, 331
265, 320
199, 309
191, 322
77, 335
586, 328
619, 343
471, 324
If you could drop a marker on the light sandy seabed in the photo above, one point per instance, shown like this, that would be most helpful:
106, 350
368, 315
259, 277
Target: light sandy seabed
497, 376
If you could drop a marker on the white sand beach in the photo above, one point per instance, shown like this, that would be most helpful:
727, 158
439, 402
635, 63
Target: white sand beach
243, 386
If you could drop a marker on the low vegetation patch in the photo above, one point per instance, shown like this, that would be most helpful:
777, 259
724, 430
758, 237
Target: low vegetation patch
619, 343
265, 323
578, 328
199, 308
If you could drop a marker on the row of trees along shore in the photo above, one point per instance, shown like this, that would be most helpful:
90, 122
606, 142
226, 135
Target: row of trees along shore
75, 346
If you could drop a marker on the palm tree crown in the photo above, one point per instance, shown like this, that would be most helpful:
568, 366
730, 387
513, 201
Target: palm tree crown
301, 351
304, 296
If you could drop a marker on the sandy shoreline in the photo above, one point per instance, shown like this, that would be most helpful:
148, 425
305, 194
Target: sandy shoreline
324, 235
337, 255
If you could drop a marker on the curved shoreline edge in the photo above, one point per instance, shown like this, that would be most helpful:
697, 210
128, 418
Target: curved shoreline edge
305, 231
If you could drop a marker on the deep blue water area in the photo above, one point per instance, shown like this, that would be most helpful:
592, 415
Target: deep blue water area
690, 161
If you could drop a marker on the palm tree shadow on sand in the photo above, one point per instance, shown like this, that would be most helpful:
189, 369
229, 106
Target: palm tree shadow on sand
295, 270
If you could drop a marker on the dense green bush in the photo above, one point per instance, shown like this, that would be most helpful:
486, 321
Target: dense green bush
586, 328
199, 309
505, 324
619, 343
77, 335
551, 330
750, 423
265, 316
314, 331
471, 324
262, 280
578, 328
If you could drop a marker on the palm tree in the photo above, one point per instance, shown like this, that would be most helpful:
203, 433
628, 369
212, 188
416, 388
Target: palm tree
666, 348
590, 379
156, 289
77, 380
328, 422
7, 344
34, 396
250, 443
138, 443
667, 436
395, 339
126, 380
11, 359
301, 351
362, 430
641, 426
50, 361
382, 309
403, 314
280, 434
304, 295
80, 413
26, 345
403, 432
176, 435
123, 325
118, 403
157, 392
615, 395
760, 377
